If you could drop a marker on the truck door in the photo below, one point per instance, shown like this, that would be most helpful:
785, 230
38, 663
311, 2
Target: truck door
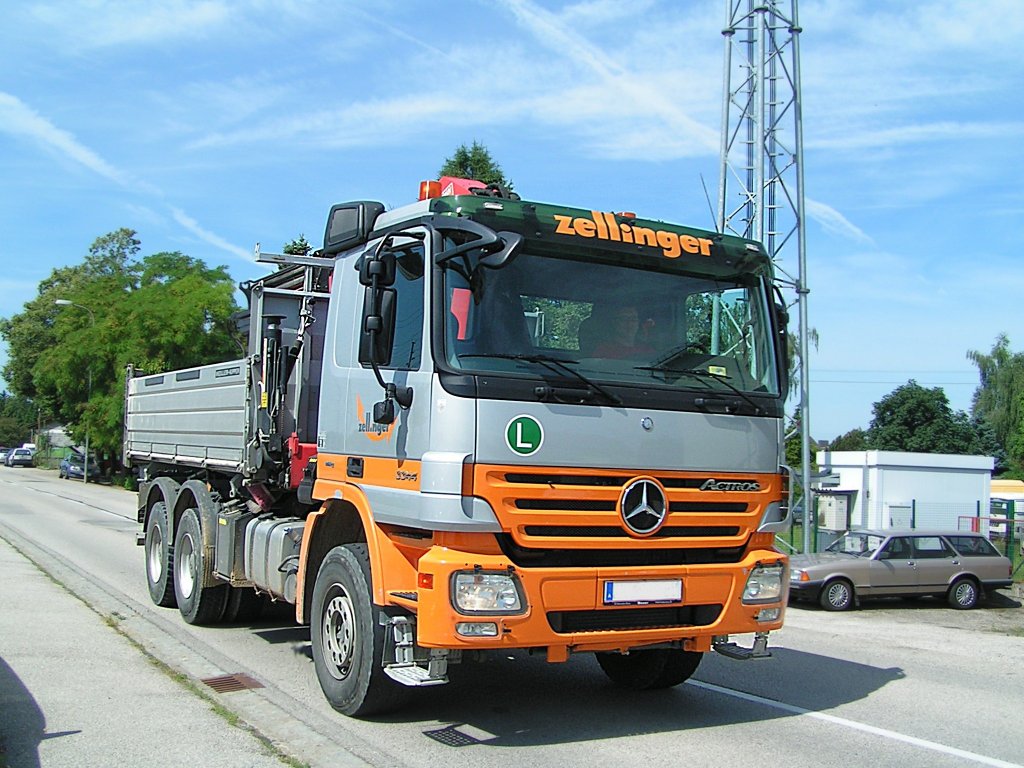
384, 459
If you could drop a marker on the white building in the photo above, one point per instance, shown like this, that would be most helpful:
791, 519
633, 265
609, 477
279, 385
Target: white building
892, 489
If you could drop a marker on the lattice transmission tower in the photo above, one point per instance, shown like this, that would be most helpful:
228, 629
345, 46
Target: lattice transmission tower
761, 187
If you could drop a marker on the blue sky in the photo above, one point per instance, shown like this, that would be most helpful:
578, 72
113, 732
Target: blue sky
209, 125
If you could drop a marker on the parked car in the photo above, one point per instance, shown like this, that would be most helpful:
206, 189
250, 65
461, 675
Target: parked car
72, 467
19, 457
3, 455
957, 565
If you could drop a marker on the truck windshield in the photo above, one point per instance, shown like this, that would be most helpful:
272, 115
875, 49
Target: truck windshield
614, 321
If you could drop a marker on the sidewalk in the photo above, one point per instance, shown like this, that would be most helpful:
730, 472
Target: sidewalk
75, 692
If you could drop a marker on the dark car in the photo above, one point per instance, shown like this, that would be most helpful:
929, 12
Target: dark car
19, 457
956, 565
73, 467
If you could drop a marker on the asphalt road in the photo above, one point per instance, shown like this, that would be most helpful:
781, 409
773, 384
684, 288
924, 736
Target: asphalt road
893, 684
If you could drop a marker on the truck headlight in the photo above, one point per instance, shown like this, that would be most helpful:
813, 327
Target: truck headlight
764, 584
487, 592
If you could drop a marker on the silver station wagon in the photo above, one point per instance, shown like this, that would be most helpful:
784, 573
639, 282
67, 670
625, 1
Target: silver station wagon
958, 565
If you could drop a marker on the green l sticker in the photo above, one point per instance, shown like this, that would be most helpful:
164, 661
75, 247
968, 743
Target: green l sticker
524, 435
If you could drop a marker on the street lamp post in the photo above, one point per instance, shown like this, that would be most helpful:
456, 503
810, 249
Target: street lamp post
88, 391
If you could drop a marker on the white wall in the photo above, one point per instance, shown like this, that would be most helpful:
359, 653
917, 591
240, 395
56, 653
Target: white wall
892, 488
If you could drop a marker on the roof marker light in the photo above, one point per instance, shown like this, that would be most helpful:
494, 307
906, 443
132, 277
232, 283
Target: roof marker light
430, 189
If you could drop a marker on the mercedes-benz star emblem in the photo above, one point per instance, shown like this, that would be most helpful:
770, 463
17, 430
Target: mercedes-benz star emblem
643, 507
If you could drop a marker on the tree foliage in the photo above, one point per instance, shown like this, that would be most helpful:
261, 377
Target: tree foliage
999, 398
298, 247
18, 415
162, 311
854, 440
474, 162
917, 419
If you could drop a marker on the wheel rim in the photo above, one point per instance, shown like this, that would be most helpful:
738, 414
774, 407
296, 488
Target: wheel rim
338, 632
154, 553
187, 565
838, 595
964, 593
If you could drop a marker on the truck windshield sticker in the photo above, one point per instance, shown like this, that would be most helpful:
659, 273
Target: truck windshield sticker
605, 226
524, 435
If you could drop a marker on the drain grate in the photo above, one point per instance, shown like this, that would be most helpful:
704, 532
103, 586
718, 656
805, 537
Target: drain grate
231, 683
451, 737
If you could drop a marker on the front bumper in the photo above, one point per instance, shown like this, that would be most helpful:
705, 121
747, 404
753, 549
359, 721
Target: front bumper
565, 609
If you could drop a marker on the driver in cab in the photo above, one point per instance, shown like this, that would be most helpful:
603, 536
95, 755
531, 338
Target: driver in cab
613, 332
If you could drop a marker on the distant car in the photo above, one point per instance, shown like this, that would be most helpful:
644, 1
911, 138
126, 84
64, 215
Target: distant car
958, 565
73, 468
3, 455
19, 457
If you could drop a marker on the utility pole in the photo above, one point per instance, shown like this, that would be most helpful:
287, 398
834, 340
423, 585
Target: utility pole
761, 184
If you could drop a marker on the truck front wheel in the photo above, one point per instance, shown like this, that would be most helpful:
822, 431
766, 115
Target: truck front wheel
651, 669
347, 638
160, 557
198, 604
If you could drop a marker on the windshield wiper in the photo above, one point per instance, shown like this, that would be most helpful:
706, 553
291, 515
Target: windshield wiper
555, 365
704, 377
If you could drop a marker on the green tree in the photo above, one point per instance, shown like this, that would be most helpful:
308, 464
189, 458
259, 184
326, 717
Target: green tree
854, 440
999, 399
160, 312
18, 416
298, 247
917, 419
474, 162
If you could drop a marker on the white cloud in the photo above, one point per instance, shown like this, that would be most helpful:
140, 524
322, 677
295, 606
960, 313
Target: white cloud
917, 134
20, 120
833, 221
627, 92
206, 236
98, 24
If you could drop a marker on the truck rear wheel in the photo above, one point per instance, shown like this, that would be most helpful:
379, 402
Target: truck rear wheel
160, 557
198, 604
347, 639
651, 669
243, 605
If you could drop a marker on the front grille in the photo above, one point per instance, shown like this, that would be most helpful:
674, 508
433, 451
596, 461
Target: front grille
607, 481
610, 620
610, 505
591, 481
525, 557
571, 505
608, 532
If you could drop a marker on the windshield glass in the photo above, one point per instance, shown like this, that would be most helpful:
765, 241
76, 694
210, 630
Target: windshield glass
861, 544
612, 320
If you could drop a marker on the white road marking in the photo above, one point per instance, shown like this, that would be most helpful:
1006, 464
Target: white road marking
883, 732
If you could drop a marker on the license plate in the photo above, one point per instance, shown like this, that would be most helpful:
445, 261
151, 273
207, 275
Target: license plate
643, 592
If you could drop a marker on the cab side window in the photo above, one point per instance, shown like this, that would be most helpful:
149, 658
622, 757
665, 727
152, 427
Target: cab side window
407, 349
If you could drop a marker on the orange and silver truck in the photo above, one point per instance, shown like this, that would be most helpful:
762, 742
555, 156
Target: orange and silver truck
477, 423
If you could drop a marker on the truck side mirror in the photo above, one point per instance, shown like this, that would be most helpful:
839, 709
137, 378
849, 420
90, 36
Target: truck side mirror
378, 325
380, 265
782, 321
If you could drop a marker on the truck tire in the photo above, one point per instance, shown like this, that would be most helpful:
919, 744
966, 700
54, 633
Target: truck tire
651, 669
347, 638
160, 557
198, 604
243, 605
